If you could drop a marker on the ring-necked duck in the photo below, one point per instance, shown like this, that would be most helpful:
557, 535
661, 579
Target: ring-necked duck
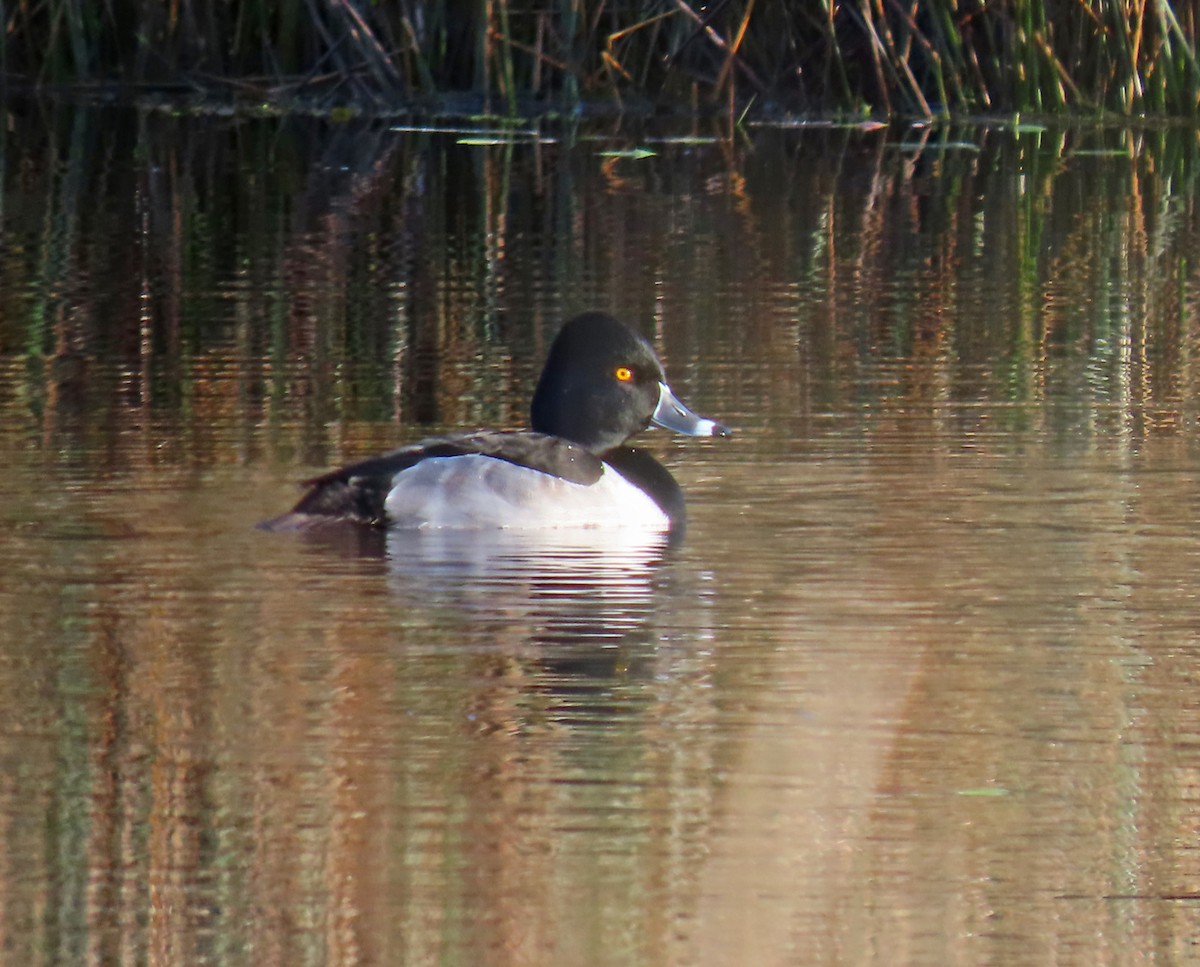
602, 383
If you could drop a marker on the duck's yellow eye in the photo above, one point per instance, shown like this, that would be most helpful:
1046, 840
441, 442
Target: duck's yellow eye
624, 374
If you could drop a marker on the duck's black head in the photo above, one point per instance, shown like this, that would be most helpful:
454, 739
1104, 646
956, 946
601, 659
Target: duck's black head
602, 383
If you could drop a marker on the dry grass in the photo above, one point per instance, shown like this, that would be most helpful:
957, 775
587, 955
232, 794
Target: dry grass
919, 57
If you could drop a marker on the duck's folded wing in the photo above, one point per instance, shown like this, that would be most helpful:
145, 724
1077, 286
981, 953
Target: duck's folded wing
357, 492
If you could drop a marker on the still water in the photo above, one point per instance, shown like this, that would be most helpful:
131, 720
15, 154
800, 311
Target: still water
919, 686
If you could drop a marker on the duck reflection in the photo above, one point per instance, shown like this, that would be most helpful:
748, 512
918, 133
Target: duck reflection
605, 571
575, 607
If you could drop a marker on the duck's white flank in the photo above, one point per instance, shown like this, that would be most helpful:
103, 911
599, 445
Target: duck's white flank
476, 491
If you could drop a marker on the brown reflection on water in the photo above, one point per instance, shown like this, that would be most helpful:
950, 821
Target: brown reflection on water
916, 688
472, 740
779, 748
1006, 760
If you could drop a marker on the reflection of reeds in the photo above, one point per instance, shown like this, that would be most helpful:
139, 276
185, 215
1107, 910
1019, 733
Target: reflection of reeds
879, 55
376, 276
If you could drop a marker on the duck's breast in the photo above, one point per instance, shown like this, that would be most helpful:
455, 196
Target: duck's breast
475, 491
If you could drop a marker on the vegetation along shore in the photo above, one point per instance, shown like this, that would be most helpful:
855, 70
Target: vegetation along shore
527, 57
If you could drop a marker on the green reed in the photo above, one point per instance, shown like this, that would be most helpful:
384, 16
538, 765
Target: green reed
920, 57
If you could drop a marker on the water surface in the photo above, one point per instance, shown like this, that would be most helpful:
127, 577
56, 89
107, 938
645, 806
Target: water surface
916, 687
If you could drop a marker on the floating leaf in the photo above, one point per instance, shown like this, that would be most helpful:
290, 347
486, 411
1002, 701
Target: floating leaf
493, 134
686, 139
936, 146
636, 153
984, 791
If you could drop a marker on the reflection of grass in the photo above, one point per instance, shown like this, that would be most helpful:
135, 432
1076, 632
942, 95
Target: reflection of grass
514, 55
416, 280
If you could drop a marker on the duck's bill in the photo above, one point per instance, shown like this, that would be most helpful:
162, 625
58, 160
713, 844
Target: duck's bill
670, 414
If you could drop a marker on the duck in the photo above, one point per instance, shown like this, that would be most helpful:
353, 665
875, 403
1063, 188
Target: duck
602, 384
